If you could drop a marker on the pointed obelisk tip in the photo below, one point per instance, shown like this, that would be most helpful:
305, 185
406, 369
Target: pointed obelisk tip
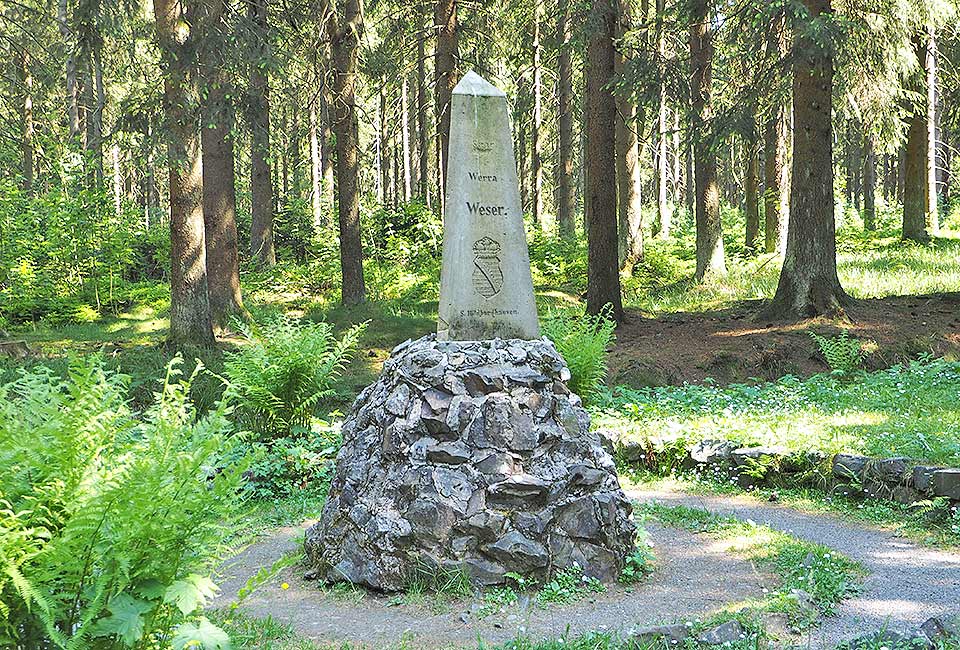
474, 84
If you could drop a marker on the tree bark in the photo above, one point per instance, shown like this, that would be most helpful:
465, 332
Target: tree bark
869, 185
261, 182
808, 284
26, 124
629, 215
751, 203
709, 243
916, 216
445, 73
775, 180
664, 205
73, 109
349, 26
600, 115
565, 180
423, 141
316, 173
405, 140
536, 171
190, 322
219, 183
930, 68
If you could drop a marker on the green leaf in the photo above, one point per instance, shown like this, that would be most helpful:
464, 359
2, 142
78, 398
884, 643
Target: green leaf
190, 593
125, 620
204, 634
151, 589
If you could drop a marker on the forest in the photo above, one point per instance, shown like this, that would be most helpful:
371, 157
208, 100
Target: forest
221, 233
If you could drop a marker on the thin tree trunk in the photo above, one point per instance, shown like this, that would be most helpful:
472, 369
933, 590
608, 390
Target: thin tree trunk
664, 205
381, 162
808, 284
775, 205
261, 182
869, 184
423, 141
190, 322
316, 173
117, 180
565, 180
405, 140
600, 116
73, 110
346, 40
536, 172
629, 215
445, 73
709, 242
916, 218
930, 68
26, 124
751, 202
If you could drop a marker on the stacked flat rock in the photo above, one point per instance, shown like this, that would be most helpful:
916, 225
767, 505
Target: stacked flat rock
474, 456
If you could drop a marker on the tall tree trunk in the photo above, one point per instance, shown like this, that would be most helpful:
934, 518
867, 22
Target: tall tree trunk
751, 203
423, 141
316, 172
808, 284
94, 99
445, 73
565, 180
775, 180
26, 124
916, 216
190, 322
381, 155
73, 110
219, 183
261, 182
629, 215
327, 149
930, 68
869, 184
709, 244
117, 180
600, 116
664, 205
346, 40
536, 171
405, 140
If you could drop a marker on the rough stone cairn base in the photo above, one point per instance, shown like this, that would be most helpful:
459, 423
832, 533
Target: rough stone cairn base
470, 456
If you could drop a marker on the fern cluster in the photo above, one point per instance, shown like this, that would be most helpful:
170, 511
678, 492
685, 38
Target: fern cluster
109, 519
583, 341
283, 373
843, 353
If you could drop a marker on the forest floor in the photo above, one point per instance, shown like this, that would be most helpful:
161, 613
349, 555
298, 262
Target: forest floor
695, 576
734, 345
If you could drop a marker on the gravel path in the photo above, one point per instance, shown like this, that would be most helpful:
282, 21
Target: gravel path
693, 577
907, 583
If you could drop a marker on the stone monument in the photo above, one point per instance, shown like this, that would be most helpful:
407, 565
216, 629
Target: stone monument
483, 224
470, 453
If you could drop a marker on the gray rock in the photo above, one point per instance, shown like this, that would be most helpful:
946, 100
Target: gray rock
905, 495
740, 456
889, 470
729, 632
923, 477
472, 455
941, 629
673, 635
712, 451
946, 483
849, 466
893, 639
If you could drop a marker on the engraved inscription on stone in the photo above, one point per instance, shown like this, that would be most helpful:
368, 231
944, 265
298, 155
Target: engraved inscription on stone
487, 276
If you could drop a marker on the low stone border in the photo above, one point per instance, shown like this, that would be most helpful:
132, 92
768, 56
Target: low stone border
899, 479
934, 633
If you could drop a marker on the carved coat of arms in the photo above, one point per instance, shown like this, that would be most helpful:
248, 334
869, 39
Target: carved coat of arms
487, 276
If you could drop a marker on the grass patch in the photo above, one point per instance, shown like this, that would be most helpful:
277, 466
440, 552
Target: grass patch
826, 576
911, 410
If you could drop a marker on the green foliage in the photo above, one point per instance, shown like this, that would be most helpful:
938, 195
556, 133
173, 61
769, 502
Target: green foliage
568, 585
109, 520
286, 369
639, 563
911, 410
583, 341
842, 353
288, 465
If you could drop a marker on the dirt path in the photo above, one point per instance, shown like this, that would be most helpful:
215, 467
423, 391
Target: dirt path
693, 577
907, 583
